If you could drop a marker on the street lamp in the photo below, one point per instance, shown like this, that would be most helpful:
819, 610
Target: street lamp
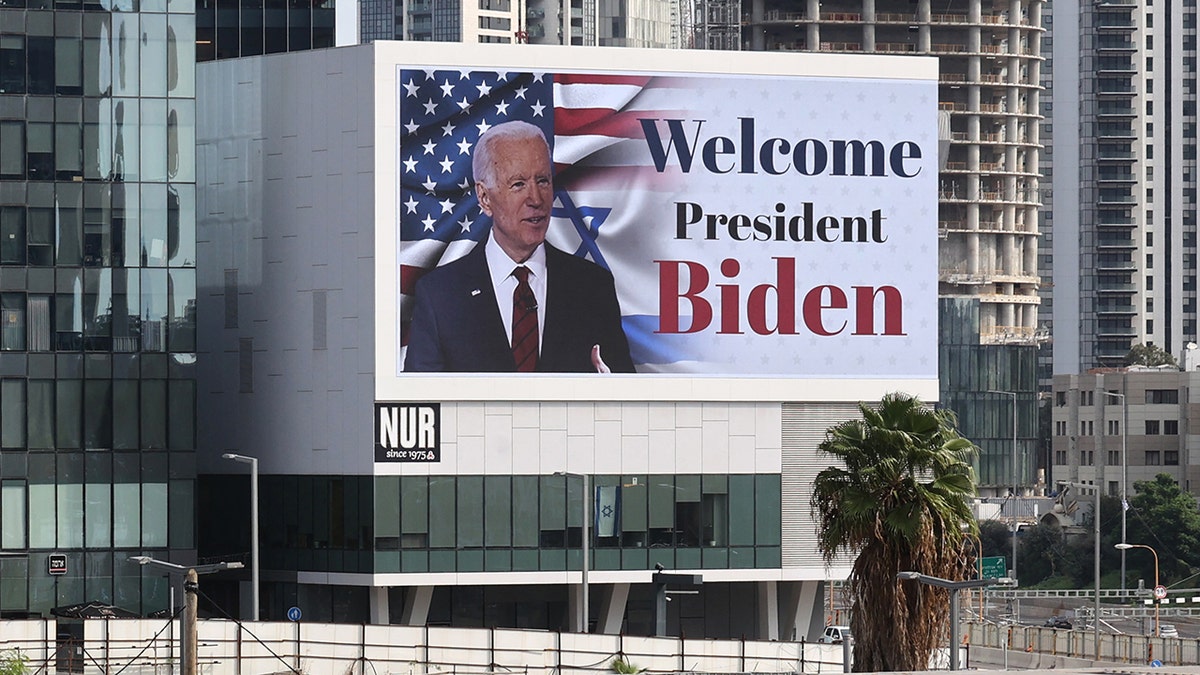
253, 462
1124, 478
954, 587
188, 573
587, 534
1016, 497
1096, 554
1125, 547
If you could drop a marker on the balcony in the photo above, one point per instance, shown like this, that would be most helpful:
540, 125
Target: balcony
1115, 242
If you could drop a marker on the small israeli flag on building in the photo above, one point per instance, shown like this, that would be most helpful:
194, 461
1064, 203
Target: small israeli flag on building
608, 511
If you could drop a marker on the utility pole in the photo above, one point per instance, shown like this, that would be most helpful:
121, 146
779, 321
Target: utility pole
190, 642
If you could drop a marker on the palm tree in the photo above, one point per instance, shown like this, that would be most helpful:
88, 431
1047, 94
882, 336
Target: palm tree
901, 502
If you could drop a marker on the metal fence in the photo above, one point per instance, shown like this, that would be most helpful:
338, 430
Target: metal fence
1080, 643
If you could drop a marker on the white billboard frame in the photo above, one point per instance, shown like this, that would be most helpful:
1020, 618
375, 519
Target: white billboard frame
390, 385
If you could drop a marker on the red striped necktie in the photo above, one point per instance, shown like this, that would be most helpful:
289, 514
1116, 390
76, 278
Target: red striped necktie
525, 323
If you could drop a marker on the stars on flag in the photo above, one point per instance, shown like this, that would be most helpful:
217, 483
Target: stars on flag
444, 113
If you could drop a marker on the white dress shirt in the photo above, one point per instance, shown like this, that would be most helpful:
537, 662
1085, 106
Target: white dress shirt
504, 284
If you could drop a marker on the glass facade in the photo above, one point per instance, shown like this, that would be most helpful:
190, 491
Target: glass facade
97, 298
518, 523
232, 28
970, 373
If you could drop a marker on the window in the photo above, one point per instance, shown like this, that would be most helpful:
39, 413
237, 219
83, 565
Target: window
1162, 396
1114, 427
1087, 398
1060, 457
1087, 428
1171, 427
12, 321
1060, 428
1152, 427
1114, 457
1152, 458
495, 22
1171, 457
1060, 398
1087, 457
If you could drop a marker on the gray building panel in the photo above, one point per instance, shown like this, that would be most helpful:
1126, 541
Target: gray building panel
295, 221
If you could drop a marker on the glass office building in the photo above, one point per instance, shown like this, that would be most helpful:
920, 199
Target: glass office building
97, 293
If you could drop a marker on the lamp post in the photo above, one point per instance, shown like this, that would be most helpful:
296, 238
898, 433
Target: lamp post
954, 587
1125, 547
1016, 497
1124, 478
1096, 554
587, 534
187, 638
253, 462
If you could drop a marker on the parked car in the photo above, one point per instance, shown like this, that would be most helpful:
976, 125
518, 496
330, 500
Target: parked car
835, 634
1168, 630
1058, 622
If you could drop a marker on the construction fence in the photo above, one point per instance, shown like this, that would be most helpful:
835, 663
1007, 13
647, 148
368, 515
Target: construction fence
150, 647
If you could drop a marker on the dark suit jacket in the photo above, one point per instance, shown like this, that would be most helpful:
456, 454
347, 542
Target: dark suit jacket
456, 326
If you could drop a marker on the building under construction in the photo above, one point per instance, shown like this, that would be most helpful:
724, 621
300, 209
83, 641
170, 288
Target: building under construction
989, 53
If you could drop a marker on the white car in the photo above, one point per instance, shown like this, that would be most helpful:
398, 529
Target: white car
1168, 630
835, 634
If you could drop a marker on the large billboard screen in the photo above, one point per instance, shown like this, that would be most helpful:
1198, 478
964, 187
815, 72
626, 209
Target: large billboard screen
665, 224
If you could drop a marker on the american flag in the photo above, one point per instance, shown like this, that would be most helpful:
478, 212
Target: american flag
590, 122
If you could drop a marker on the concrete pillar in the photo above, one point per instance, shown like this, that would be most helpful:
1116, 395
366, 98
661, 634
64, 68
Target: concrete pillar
578, 622
768, 610
758, 39
612, 608
801, 615
379, 605
416, 605
813, 32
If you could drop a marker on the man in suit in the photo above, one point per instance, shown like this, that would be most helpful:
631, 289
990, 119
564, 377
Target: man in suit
516, 303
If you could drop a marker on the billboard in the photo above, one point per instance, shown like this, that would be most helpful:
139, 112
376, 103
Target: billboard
771, 224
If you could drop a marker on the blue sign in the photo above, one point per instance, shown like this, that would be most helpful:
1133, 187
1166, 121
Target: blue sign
293, 614
1156, 664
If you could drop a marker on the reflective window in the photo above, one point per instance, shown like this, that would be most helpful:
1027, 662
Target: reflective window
181, 140
12, 519
154, 414
40, 418
183, 310
12, 150
154, 514
12, 64
155, 310
12, 321
42, 525
153, 63
70, 515
68, 65
68, 399
98, 514
153, 129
